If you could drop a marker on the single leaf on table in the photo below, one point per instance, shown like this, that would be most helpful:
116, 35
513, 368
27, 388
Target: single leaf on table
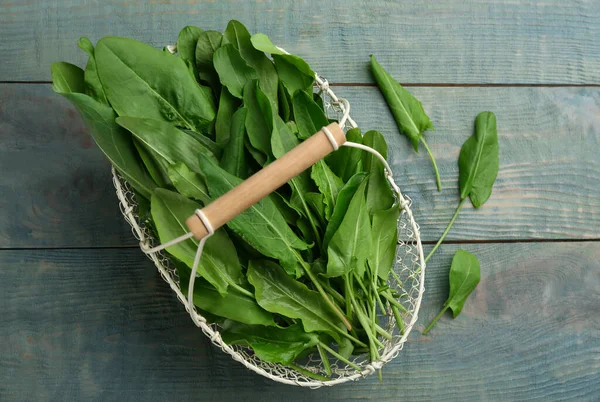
478, 166
228, 104
186, 46
92, 81
479, 161
237, 34
208, 42
233, 71
279, 293
114, 141
271, 344
261, 225
379, 193
309, 117
259, 119
235, 305
465, 274
234, 155
219, 263
141, 81
329, 185
408, 112
294, 73
166, 141
189, 184
341, 206
385, 240
347, 161
350, 245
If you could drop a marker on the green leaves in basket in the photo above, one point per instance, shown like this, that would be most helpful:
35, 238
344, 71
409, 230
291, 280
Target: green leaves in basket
188, 183
310, 118
115, 142
478, 165
219, 263
237, 34
261, 225
259, 119
464, 276
329, 185
294, 73
227, 107
385, 240
234, 155
408, 112
208, 42
271, 344
379, 193
141, 81
235, 305
346, 161
233, 71
92, 81
186, 45
278, 293
351, 243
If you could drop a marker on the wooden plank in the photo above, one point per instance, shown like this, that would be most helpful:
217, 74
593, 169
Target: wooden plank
58, 192
475, 41
101, 324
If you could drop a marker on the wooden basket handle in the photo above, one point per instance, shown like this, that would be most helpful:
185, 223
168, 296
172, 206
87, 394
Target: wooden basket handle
266, 180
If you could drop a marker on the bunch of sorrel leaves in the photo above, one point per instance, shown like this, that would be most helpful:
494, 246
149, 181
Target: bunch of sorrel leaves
305, 269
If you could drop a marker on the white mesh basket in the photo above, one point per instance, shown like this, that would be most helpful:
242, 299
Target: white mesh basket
409, 267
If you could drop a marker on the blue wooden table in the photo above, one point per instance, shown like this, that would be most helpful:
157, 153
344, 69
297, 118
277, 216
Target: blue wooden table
85, 316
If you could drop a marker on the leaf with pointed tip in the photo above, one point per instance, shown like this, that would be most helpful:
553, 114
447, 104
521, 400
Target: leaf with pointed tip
186, 45
234, 155
156, 171
309, 117
92, 81
350, 245
141, 81
233, 71
341, 206
259, 119
237, 34
228, 104
478, 161
208, 42
294, 72
385, 240
379, 193
406, 109
329, 185
115, 142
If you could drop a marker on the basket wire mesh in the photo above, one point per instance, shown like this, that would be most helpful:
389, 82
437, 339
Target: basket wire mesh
409, 266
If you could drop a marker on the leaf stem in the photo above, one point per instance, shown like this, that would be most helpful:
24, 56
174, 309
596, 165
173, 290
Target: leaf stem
331, 304
308, 373
435, 168
392, 301
460, 205
383, 333
398, 318
324, 359
339, 356
437, 317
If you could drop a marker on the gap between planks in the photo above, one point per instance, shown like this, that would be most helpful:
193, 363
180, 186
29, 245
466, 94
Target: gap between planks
427, 243
413, 84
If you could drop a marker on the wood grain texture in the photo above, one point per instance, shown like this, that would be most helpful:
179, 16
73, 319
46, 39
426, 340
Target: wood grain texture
419, 42
58, 192
102, 325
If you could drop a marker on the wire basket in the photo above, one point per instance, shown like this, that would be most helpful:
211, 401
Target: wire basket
409, 266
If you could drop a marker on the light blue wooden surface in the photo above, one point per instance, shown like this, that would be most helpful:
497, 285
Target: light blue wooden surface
85, 316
